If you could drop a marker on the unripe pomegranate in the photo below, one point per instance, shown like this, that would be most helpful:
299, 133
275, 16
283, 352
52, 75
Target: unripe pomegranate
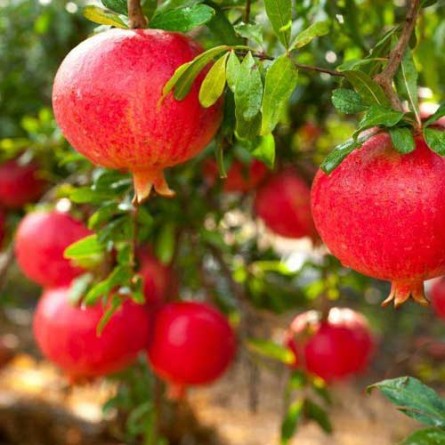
19, 184
438, 297
241, 178
107, 99
382, 213
67, 335
283, 203
333, 349
40, 241
192, 344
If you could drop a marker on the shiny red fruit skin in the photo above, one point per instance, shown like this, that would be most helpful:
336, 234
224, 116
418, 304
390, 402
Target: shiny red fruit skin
438, 297
334, 349
192, 344
241, 178
107, 99
19, 184
382, 214
283, 203
40, 241
67, 335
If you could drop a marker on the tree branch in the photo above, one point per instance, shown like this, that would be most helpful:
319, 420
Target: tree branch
385, 78
136, 16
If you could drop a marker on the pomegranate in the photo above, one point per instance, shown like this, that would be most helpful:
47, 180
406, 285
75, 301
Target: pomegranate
107, 99
438, 297
192, 344
67, 335
241, 178
333, 349
19, 184
382, 214
40, 241
283, 203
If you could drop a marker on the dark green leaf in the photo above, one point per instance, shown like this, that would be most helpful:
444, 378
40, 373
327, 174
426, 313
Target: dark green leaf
306, 36
265, 150
182, 19
247, 130
270, 350
281, 80
406, 82
377, 115
149, 7
213, 85
440, 112
85, 247
429, 436
369, 90
291, 420
119, 6
435, 139
347, 101
338, 154
280, 16
103, 16
426, 3
402, 139
250, 32
414, 399
165, 243
315, 412
221, 27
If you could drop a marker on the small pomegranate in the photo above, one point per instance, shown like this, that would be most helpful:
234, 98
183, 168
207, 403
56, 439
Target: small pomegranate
382, 214
438, 297
107, 99
19, 184
283, 203
333, 349
67, 335
192, 344
241, 178
40, 242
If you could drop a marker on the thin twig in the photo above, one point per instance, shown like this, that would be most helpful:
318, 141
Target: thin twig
385, 78
134, 241
7, 262
136, 15
247, 11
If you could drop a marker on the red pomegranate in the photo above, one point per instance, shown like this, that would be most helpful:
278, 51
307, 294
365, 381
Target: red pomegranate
40, 242
382, 214
107, 99
333, 349
67, 335
438, 297
241, 178
19, 184
283, 203
192, 344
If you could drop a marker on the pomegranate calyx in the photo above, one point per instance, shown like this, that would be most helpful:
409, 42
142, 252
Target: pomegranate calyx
144, 181
401, 291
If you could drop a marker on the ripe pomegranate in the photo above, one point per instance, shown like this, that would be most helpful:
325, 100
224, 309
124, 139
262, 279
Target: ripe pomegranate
107, 99
438, 297
67, 335
382, 214
283, 203
19, 184
192, 344
40, 241
241, 178
333, 349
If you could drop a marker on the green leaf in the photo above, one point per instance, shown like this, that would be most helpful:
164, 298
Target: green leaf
232, 70
356, 63
435, 139
347, 101
414, 399
440, 112
338, 154
87, 195
290, 421
213, 85
79, 287
280, 16
103, 16
119, 6
183, 78
315, 412
165, 243
265, 150
377, 115
281, 81
250, 32
182, 19
369, 90
406, 83
86, 247
429, 436
402, 139
270, 350
221, 27
116, 303
306, 36
247, 130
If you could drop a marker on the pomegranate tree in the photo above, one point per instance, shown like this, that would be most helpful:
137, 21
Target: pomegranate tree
283, 203
40, 242
192, 344
20, 184
107, 99
67, 335
382, 213
438, 297
332, 349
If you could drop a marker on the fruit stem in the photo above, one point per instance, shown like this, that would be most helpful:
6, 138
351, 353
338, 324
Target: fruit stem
136, 15
401, 291
144, 181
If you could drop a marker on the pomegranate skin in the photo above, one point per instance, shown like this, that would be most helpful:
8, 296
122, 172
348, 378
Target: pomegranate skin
283, 203
67, 335
241, 178
107, 99
40, 241
192, 344
382, 214
19, 184
438, 297
334, 349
